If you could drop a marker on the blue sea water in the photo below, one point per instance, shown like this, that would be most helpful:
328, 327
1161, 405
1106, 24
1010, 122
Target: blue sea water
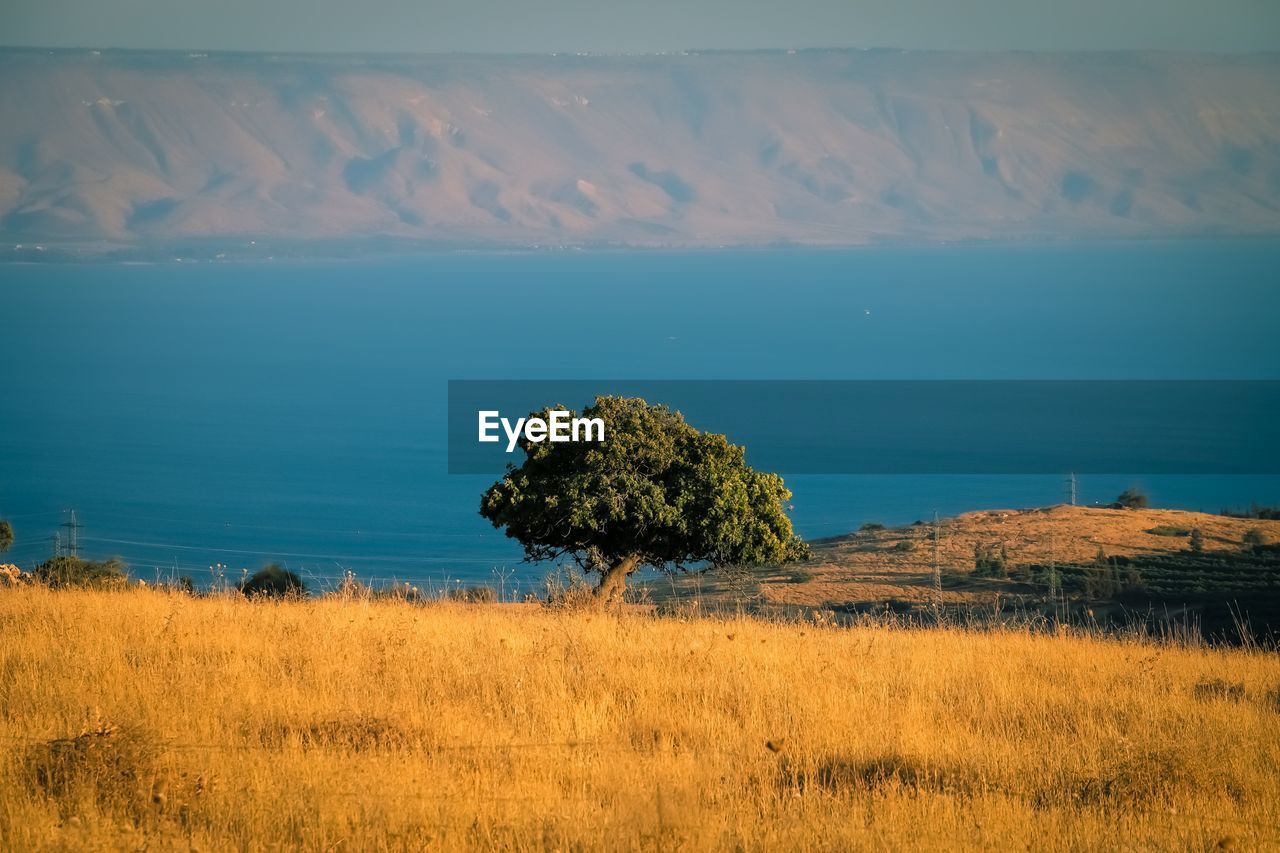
241, 413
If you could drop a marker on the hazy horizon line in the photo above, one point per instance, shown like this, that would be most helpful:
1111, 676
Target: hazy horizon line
200, 52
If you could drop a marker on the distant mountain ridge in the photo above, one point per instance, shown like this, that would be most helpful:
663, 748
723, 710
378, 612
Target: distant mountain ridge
839, 147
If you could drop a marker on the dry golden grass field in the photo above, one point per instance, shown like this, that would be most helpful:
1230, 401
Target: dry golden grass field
145, 719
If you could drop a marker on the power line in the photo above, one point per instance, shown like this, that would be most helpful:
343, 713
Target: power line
32, 514
237, 526
266, 552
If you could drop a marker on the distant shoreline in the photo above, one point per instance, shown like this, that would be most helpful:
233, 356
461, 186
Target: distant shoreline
213, 251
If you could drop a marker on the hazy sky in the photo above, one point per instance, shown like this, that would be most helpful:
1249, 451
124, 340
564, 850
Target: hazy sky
641, 25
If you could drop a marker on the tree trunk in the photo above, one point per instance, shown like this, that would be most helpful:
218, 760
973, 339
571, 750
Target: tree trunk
614, 580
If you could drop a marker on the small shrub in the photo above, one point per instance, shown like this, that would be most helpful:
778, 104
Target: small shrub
358, 733
871, 527
1049, 577
1131, 499
1255, 537
990, 561
1100, 581
800, 576
1169, 530
1133, 581
274, 581
1130, 780
1259, 512
67, 571
6, 536
904, 545
474, 594
1196, 543
895, 772
114, 768
1217, 688
572, 598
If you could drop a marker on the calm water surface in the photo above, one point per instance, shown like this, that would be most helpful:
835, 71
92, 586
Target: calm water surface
236, 414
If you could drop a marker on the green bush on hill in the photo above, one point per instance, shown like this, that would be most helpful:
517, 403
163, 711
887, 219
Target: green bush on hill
990, 561
274, 581
1169, 530
474, 594
1255, 536
67, 571
1262, 513
1131, 499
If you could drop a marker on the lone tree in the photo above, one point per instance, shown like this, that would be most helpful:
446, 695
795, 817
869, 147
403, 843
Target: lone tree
655, 492
6, 536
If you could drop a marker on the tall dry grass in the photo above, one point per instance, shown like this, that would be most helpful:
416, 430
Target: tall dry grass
140, 718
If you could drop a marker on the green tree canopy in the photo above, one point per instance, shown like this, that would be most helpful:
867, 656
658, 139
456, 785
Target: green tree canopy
6, 536
655, 492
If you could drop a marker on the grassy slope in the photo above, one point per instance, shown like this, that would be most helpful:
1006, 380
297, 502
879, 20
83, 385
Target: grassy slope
354, 725
865, 568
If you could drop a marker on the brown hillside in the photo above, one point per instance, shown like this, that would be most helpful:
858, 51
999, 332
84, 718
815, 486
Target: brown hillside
837, 147
871, 567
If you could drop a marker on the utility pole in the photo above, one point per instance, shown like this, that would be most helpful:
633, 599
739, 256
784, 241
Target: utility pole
1073, 488
1055, 583
937, 571
72, 540
57, 544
